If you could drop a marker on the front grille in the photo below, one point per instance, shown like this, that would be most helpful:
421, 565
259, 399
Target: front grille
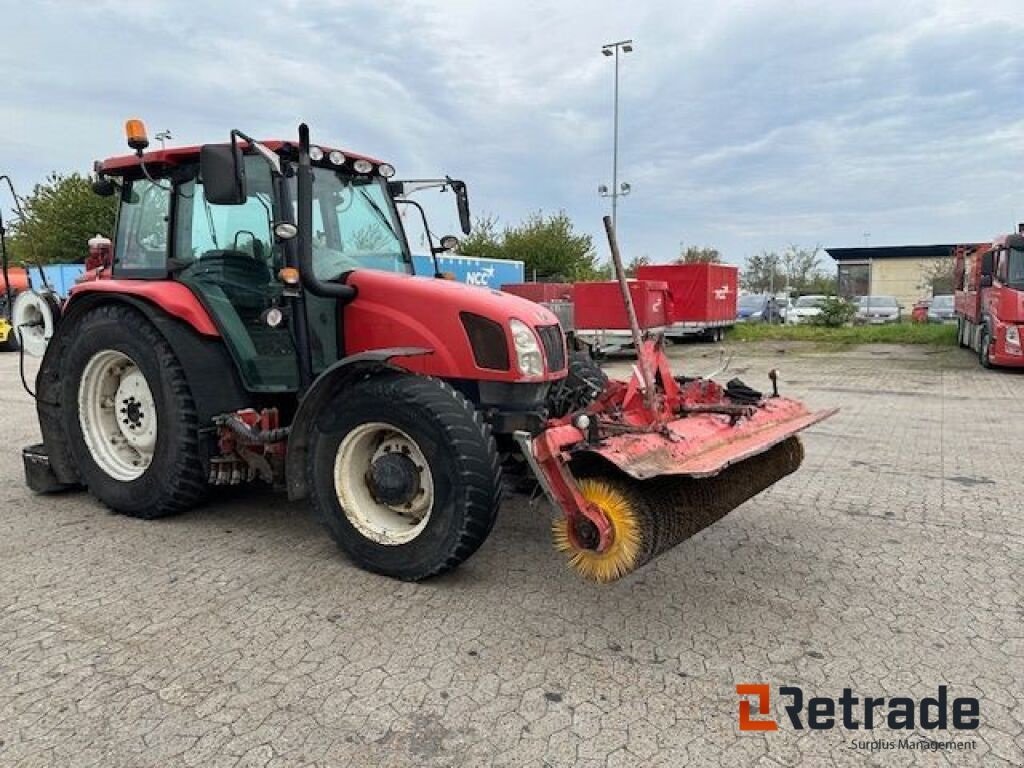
554, 346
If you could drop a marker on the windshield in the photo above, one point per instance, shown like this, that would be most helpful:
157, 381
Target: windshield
354, 225
942, 302
1015, 277
751, 302
878, 301
809, 301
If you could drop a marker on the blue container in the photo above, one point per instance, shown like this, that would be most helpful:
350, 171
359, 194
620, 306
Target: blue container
59, 277
486, 273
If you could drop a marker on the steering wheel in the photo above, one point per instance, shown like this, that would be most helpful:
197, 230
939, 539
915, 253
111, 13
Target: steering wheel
232, 266
244, 279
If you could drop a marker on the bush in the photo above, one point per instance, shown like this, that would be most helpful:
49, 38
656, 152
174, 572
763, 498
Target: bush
836, 312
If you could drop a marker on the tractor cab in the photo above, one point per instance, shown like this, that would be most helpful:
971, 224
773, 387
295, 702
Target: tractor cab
223, 222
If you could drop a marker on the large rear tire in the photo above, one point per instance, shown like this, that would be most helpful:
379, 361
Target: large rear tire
128, 415
405, 475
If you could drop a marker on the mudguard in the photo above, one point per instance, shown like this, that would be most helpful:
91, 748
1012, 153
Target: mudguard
320, 392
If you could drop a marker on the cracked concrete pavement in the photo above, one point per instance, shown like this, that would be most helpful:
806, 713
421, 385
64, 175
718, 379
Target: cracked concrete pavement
238, 635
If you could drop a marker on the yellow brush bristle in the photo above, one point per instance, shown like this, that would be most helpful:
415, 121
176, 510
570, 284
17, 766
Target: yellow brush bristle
622, 553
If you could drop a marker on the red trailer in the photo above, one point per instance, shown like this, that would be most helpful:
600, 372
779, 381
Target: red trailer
989, 280
702, 297
600, 315
540, 292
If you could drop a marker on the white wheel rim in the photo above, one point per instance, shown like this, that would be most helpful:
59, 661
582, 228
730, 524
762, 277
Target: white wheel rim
117, 414
380, 522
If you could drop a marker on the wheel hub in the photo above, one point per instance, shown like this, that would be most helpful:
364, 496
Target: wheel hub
393, 479
117, 414
585, 533
384, 483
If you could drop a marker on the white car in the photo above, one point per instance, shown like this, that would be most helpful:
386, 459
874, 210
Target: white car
805, 310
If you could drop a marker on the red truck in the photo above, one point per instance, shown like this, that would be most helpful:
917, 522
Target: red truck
702, 297
989, 280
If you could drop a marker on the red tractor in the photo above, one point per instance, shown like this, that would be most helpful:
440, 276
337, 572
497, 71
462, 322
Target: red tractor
259, 322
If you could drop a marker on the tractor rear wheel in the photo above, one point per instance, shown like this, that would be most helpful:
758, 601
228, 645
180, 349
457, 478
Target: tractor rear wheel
405, 475
128, 415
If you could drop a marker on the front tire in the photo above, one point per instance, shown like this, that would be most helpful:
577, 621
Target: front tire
405, 475
128, 415
985, 348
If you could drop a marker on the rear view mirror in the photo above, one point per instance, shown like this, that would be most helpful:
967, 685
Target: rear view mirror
223, 174
462, 200
103, 186
987, 262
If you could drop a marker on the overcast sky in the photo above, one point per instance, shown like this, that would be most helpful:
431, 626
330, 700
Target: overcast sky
745, 126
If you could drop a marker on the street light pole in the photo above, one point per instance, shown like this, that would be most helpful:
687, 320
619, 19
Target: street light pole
617, 191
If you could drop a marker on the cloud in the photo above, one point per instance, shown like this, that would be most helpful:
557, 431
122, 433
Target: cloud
745, 126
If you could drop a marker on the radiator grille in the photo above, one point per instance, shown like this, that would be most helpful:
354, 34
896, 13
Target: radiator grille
554, 346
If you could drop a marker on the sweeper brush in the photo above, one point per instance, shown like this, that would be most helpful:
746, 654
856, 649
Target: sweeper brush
644, 464
649, 517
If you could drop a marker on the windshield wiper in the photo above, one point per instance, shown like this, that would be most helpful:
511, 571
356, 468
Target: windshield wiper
379, 212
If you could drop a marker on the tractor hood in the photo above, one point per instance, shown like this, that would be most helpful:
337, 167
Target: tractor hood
399, 310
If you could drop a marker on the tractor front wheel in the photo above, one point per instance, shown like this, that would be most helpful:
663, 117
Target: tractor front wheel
405, 475
128, 415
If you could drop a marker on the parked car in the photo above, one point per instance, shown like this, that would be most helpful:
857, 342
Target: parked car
942, 310
757, 308
805, 310
877, 310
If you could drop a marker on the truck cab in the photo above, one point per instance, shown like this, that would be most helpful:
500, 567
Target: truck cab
989, 300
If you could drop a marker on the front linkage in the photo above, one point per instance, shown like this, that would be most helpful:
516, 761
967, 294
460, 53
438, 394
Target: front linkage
636, 471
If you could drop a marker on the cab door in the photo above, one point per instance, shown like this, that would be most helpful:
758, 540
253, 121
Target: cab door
228, 256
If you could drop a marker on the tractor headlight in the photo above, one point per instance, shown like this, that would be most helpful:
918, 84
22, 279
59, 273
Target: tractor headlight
528, 354
363, 166
316, 154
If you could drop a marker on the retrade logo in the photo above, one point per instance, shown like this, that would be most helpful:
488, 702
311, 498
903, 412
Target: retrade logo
819, 713
764, 708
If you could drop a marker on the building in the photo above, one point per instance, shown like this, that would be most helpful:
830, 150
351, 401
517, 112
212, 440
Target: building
908, 272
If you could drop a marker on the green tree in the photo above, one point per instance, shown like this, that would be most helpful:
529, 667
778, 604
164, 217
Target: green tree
693, 254
938, 276
484, 240
60, 215
548, 246
635, 264
762, 273
835, 312
802, 270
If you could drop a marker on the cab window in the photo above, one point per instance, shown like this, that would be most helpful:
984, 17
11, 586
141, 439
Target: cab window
1002, 267
204, 228
142, 227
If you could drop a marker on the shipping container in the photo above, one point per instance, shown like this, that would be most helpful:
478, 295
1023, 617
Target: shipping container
486, 273
19, 280
702, 296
